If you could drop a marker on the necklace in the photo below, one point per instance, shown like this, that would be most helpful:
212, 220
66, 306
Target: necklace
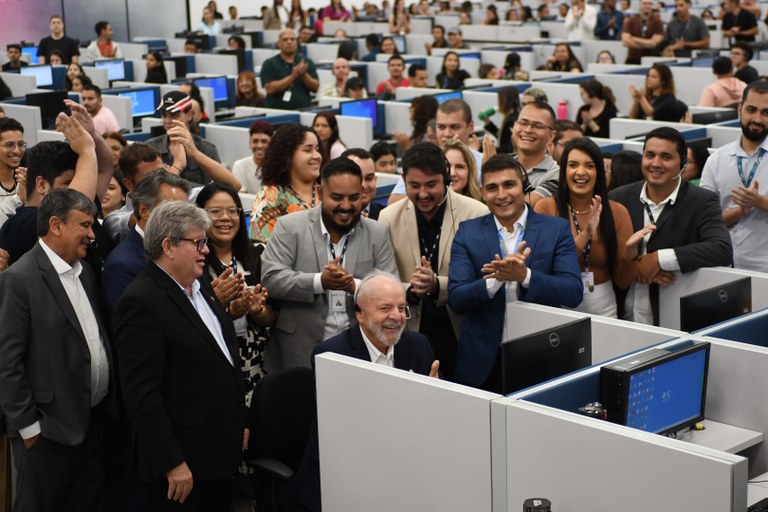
577, 212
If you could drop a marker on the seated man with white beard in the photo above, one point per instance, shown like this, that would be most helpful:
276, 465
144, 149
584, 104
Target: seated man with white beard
379, 335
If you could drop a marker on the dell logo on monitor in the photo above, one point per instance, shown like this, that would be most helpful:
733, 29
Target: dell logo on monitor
723, 295
554, 340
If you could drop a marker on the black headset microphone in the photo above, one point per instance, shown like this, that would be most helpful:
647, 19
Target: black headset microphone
682, 170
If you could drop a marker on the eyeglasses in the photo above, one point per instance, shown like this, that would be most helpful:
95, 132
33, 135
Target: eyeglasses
524, 123
199, 242
217, 213
10, 145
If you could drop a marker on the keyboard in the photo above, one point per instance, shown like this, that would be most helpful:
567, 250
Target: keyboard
760, 506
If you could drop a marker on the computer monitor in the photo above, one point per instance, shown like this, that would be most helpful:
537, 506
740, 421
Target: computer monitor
115, 68
445, 96
43, 74
51, 104
659, 391
545, 355
32, 52
217, 83
714, 117
361, 108
399, 43
144, 102
182, 64
715, 305
702, 62
240, 54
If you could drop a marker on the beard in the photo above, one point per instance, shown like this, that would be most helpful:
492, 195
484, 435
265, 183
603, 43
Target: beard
332, 225
382, 336
752, 135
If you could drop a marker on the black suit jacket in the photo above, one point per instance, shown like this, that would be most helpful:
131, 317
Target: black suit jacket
374, 209
412, 352
44, 359
693, 226
185, 400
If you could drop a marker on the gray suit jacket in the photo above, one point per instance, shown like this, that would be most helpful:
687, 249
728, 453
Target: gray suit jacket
295, 253
44, 359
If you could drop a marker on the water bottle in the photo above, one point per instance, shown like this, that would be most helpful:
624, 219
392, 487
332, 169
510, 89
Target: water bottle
485, 114
562, 110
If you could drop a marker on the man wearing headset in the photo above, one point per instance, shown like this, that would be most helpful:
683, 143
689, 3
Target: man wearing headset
689, 234
422, 228
512, 254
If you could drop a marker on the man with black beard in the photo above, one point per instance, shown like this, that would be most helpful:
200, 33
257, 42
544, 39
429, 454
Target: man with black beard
738, 174
314, 262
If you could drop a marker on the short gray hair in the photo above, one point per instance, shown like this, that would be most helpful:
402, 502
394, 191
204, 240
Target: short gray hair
366, 290
172, 219
148, 188
59, 203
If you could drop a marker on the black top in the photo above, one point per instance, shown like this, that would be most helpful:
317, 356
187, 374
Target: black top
744, 20
747, 74
66, 46
603, 120
451, 82
567, 67
7, 66
505, 137
156, 76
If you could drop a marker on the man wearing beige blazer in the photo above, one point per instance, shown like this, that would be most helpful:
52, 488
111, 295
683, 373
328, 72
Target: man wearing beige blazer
422, 227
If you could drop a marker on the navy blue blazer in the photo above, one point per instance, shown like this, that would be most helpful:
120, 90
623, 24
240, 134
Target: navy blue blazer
412, 352
555, 281
122, 266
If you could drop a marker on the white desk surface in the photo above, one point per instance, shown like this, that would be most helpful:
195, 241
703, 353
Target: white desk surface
723, 437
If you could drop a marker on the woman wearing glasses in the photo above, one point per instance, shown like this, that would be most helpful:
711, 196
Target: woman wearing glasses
231, 253
602, 230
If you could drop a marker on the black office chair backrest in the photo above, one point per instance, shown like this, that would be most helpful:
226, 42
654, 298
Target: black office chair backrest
281, 415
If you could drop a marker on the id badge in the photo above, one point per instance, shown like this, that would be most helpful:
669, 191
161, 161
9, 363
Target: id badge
588, 278
338, 301
241, 326
287, 96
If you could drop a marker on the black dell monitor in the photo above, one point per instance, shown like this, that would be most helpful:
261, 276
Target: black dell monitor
51, 104
545, 355
361, 108
715, 305
115, 68
714, 117
658, 391
240, 54
182, 64
43, 74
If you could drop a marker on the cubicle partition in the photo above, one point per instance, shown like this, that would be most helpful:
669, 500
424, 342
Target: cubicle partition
28, 116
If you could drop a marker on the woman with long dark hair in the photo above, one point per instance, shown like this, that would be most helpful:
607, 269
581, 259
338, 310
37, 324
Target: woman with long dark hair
451, 75
289, 173
602, 229
230, 248
156, 73
509, 108
327, 129
658, 100
563, 59
599, 108
423, 108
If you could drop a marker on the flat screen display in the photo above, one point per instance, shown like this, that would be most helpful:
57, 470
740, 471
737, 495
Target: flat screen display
361, 108
217, 83
32, 52
143, 101
43, 74
115, 68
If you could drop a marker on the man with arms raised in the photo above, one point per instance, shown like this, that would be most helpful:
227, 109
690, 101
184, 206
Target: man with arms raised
512, 253
289, 77
314, 262
422, 230
689, 233
738, 174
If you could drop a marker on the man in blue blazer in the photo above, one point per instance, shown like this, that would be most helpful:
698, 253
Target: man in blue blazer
513, 253
128, 259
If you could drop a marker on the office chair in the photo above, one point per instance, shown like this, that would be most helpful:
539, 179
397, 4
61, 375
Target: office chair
280, 418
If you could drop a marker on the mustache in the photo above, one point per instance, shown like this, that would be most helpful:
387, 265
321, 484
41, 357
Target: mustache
341, 211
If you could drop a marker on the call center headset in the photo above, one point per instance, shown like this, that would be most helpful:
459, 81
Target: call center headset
527, 187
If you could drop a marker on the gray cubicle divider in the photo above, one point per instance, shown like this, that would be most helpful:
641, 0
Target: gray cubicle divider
480, 101
702, 279
216, 64
28, 116
593, 48
262, 54
134, 50
611, 337
619, 84
621, 128
556, 29
557, 92
19, 84
406, 93
230, 141
583, 464
354, 132
148, 122
99, 76
121, 107
322, 52
44, 135
691, 81
415, 42
140, 69
396, 116
432, 440
722, 135
377, 72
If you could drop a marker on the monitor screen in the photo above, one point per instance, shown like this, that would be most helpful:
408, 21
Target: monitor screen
115, 68
217, 83
361, 108
668, 395
715, 305
443, 97
32, 52
182, 64
714, 117
42, 73
143, 101
51, 104
399, 43
545, 355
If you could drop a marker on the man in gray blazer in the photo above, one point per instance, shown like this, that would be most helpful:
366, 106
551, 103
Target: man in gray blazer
55, 357
314, 262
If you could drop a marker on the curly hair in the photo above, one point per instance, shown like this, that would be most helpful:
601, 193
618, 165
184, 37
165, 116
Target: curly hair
278, 158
